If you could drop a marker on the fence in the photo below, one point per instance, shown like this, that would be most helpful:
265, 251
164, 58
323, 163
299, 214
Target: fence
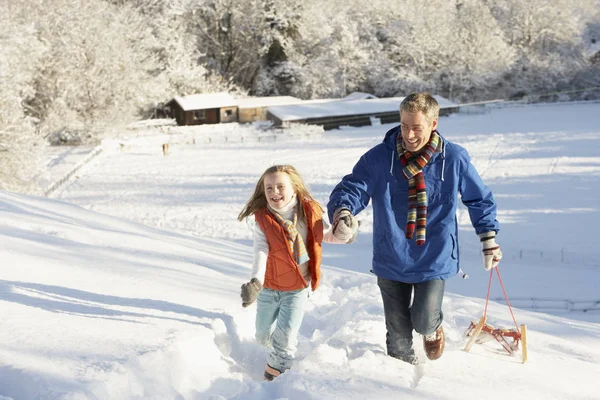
55, 185
571, 258
548, 304
218, 134
534, 99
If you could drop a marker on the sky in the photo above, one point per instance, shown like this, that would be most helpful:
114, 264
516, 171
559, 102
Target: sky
124, 283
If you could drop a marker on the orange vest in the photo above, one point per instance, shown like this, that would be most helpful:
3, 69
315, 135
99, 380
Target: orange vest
282, 269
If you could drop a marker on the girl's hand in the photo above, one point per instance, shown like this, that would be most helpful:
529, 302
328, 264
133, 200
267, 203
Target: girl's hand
250, 292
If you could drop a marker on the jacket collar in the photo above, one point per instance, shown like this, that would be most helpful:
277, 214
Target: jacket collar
390, 142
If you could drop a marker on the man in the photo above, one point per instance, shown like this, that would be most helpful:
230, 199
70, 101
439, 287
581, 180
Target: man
414, 178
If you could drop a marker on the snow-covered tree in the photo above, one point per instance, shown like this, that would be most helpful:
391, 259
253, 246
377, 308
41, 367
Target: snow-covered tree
547, 37
334, 49
453, 48
20, 145
278, 74
173, 26
480, 55
100, 68
246, 42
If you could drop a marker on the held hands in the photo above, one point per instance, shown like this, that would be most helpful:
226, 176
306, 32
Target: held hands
345, 225
250, 291
491, 250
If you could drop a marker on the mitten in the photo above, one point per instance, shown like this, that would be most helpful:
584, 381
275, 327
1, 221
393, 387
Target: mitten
250, 291
345, 225
491, 251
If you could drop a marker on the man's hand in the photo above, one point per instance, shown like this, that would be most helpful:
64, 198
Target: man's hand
491, 250
345, 225
250, 291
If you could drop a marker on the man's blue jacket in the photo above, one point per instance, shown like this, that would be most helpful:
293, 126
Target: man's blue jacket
378, 177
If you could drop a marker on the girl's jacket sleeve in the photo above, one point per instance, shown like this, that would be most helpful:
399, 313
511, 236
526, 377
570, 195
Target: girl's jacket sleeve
261, 252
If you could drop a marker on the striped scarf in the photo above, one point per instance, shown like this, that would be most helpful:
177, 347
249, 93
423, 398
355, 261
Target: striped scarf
294, 240
417, 194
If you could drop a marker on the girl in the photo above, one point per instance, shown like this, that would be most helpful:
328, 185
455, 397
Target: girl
288, 234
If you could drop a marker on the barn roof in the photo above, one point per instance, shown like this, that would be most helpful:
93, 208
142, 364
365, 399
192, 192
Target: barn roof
205, 101
360, 96
267, 101
308, 110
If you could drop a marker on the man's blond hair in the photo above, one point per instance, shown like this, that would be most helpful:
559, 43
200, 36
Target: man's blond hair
423, 102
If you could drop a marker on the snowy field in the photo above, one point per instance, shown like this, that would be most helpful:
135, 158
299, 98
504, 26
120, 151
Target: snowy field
125, 284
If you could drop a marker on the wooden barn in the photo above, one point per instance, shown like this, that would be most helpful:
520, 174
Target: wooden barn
206, 108
255, 108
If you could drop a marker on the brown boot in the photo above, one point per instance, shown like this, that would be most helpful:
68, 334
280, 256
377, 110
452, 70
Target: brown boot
434, 344
271, 373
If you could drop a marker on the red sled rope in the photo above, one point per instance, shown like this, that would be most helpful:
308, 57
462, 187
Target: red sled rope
475, 329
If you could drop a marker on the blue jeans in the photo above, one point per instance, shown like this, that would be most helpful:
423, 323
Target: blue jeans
279, 315
424, 315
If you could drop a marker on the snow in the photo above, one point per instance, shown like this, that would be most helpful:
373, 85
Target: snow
359, 95
343, 107
205, 101
60, 161
125, 284
251, 102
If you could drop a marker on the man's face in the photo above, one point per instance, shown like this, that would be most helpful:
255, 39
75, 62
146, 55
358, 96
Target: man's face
278, 189
416, 130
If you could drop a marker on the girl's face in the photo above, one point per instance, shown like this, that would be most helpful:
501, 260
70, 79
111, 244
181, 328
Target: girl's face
278, 189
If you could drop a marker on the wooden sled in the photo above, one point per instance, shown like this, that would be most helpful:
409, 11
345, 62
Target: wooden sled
481, 333
503, 336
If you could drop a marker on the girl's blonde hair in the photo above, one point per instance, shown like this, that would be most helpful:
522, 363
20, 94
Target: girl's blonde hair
259, 199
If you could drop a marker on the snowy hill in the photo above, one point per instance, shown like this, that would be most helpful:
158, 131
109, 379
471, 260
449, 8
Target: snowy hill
100, 307
136, 295
95, 307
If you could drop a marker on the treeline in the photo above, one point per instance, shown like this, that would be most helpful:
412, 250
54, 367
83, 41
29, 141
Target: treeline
78, 67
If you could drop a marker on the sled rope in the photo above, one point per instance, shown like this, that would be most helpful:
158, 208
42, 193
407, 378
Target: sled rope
505, 296
487, 298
